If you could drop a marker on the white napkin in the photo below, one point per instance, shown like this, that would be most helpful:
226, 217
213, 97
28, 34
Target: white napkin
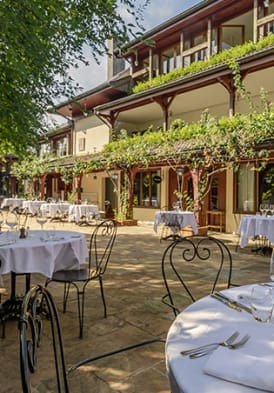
251, 365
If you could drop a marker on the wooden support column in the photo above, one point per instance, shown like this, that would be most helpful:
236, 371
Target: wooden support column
165, 103
209, 38
78, 186
228, 84
255, 21
109, 120
131, 172
196, 175
42, 186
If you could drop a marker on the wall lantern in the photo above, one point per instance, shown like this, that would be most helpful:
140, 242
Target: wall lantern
114, 176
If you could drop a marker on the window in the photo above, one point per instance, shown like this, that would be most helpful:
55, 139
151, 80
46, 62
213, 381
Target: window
82, 144
231, 35
147, 189
61, 147
44, 149
245, 188
266, 185
170, 59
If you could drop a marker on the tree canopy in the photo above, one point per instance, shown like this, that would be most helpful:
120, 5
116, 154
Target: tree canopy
40, 40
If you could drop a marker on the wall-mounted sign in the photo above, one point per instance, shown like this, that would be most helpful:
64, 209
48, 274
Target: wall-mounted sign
157, 179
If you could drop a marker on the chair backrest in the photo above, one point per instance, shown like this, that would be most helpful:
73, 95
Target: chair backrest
101, 245
39, 302
193, 267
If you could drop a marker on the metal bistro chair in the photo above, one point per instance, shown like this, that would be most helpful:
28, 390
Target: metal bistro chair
100, 248
197, 264
32, 327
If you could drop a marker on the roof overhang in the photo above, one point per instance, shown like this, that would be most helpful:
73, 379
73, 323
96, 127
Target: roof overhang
249, 63
83, 104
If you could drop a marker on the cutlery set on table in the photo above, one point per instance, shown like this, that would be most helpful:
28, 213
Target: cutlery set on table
236, 305
207, 348
230, 342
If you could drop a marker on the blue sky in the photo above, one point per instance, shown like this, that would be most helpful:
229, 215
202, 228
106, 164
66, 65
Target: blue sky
157, 12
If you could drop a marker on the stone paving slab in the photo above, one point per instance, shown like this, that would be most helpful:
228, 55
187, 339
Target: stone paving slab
133, 289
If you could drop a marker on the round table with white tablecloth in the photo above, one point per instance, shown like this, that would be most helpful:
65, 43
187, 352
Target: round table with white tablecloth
43, 251
252, 226
222, 370
32, 207
83, 210
175, 219
12, 202
55, 208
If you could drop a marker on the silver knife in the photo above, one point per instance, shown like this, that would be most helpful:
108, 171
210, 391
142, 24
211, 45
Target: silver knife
238, 304
226, 302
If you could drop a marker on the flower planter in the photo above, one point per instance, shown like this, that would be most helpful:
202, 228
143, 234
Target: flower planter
188, 231
127, 222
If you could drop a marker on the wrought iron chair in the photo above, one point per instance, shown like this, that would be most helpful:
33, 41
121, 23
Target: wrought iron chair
100, 248
210, 262
39, 299
38, 310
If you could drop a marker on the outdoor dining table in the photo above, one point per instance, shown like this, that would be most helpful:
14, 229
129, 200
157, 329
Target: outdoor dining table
252, 226
83, 210
222, 370
12, 202
41, 252
55, 208
32, 207
175, 220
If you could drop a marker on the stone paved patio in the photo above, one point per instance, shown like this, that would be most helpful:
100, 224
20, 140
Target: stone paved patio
133, 288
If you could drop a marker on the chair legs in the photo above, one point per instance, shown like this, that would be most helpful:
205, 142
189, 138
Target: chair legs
65, 296
80, 301
103, 296
81, 307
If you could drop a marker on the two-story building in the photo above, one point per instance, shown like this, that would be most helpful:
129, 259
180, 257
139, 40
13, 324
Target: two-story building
196, 35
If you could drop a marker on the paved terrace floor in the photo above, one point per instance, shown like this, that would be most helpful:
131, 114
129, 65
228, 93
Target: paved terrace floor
133, 289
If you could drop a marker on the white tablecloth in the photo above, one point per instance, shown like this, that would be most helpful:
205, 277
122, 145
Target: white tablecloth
175, 219
12, 202
78, 211
43, 252
252, 226
54, 208
32, 206
206, 321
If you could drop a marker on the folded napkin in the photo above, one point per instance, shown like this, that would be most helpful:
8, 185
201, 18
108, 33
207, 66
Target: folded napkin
251, 365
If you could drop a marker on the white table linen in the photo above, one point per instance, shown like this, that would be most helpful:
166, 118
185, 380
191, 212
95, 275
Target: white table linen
206, 321
32, 206
251, 365
12, 202
43, 252
78, 211
252, 226
175, 218
52, 209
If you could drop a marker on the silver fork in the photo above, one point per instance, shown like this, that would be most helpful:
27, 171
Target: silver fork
224, 343
236, 345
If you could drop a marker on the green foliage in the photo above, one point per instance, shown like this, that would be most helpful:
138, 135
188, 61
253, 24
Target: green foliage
40, 42
32, 166
206, 143
228, 56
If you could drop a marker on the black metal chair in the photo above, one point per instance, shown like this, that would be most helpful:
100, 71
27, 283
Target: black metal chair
210, 262
37, 301
38, 310
100, 248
